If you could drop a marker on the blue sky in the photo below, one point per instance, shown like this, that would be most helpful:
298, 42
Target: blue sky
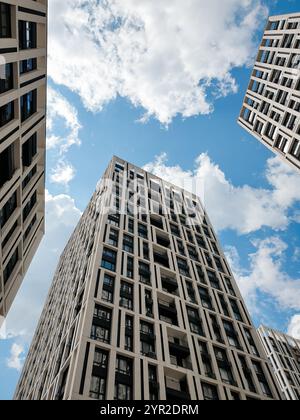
260, 232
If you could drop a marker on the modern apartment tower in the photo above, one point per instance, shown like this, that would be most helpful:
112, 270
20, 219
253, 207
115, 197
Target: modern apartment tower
23, 27
143, 305
283, 352
271, 108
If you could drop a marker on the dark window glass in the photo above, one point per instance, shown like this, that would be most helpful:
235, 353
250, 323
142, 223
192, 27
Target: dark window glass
7, 165
113, 237
144, 273
109, 259
126, 295
28, 105
29, 177
130, 267
101, 324
99, 375
8, 209
98, 388
5, 20
123, 392
128, 244
30, 226
205, 298
8, 270
143, 231
27, 35
7, 83
114, 220
29, 206
7, 113
28, 65
9, 235
29, 150
210, 392
183, 267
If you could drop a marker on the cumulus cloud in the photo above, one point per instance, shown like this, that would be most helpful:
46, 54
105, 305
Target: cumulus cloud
63, 173
16, 359
247, 209
62, 216
62, 118
170, 58
266, 274
294, 327
60, 111
296, 254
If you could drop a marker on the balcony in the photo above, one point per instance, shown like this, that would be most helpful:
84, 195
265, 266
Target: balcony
167, 312
179, 349
147, 336
167, 306
181, 363
150, 354
161, 259
157, 222
163, 241
177, 389
169, 285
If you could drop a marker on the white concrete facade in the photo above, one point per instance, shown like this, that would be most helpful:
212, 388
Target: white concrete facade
271, 109
23, 52
144, 306
283, 353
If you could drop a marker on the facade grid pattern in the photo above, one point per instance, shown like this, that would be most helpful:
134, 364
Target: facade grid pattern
144, 306
23, 52
271, 109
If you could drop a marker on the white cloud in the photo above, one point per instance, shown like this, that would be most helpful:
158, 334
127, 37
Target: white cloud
63, 173
244, 209
266, 274
62, 216
294, 327
296, 254
163, 56
16, 360
62, 119
60, 111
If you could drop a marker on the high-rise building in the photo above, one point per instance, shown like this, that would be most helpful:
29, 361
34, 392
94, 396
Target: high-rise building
283, 352
144, 306
271, 108
23, 35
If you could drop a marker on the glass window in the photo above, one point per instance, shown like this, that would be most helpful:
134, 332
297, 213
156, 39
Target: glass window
28, 65
98, 388
128, 244
29, 150
100, 334
114, 220
7, 83
7, 113
5, 20
143, 231
8, 209
130, 267
109, 259
8, 270
27, 35
7, 164
210, 392
124, 366
28, 105
123, 392
113, 237
100, 359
